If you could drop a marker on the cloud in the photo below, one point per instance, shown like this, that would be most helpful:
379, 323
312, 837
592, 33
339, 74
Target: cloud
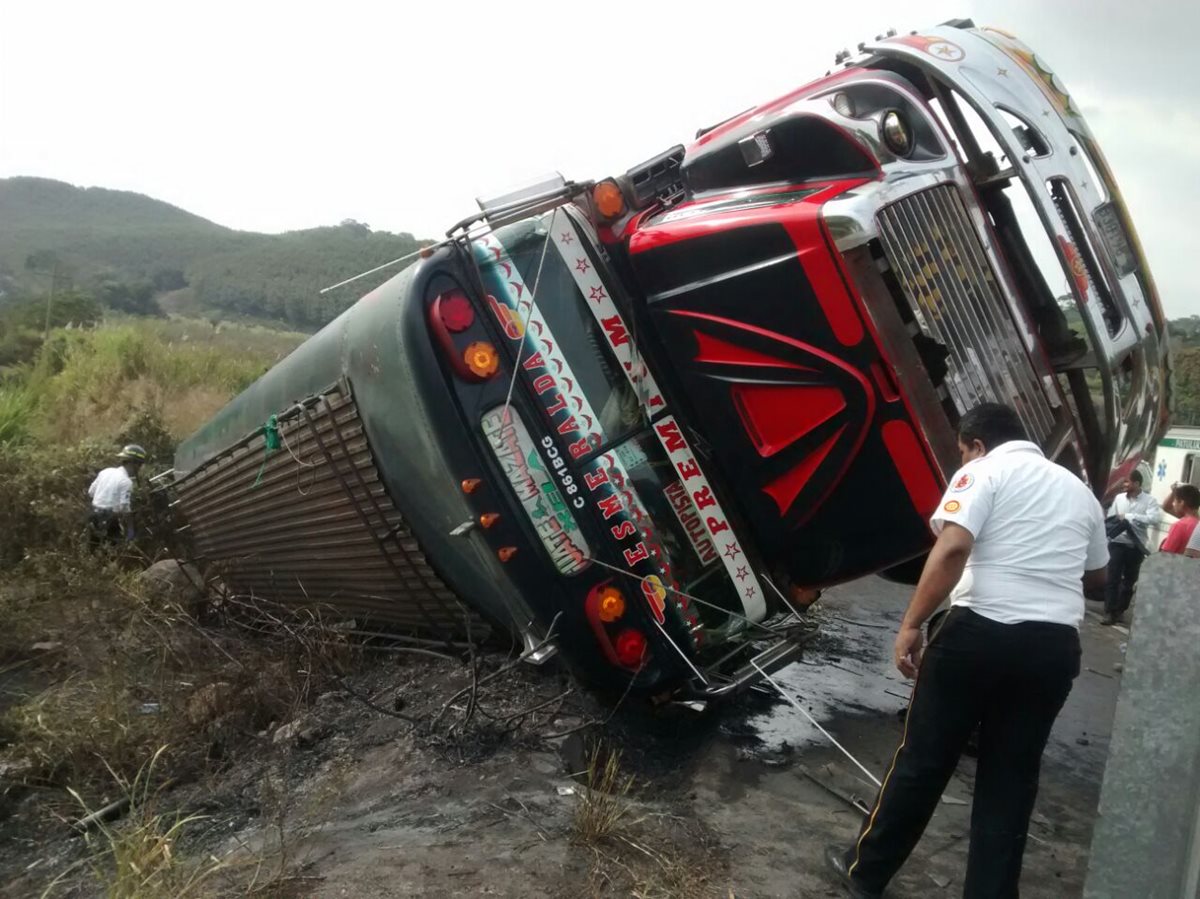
274, 116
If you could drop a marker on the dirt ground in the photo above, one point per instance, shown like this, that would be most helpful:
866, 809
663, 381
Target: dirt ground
351, 801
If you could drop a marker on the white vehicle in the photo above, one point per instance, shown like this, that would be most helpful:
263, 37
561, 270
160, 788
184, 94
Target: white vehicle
1176, 460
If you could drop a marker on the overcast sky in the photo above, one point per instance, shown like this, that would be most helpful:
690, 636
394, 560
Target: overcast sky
275, 116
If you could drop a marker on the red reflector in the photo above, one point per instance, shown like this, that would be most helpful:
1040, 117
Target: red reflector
630, 646
456, 312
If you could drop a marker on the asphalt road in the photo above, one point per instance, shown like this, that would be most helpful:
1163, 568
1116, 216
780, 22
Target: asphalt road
780, 817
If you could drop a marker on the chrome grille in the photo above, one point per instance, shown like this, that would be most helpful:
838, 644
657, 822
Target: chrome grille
936, 255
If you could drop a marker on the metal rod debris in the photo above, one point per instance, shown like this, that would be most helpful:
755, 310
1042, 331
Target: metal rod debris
815, 723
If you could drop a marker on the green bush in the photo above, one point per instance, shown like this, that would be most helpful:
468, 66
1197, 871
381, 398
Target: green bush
45, 503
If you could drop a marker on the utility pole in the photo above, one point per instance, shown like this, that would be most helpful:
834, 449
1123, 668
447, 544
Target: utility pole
50, 300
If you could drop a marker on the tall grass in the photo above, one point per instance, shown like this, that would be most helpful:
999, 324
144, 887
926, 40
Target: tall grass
89, 383
16, 415
93, 363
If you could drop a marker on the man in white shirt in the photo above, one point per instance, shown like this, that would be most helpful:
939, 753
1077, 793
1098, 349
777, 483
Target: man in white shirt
1017, 536
111, 494
1137, 510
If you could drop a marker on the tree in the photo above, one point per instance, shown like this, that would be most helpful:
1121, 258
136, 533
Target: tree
1187, 385
136, 298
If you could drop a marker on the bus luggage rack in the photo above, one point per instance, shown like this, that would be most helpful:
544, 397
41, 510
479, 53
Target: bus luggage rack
312, 525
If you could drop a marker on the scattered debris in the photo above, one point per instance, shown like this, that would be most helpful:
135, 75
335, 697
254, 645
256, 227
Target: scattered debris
207, 703
287, 732
103, 815
941, 881
853, 801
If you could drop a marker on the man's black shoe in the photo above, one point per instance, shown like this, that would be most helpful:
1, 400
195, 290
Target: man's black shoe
1110, 620
835, 860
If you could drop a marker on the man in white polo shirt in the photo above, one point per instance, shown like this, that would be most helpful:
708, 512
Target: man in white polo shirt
111, 494
1017, 537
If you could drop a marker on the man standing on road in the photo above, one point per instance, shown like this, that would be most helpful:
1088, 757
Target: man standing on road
1016, 534
1133, 512
111, 493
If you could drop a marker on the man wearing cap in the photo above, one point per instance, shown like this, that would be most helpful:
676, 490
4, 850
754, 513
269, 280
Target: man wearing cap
111, 493
1018, 535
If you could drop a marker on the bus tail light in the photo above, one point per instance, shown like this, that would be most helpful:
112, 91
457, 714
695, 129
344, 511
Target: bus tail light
456, 312
625, 646
481, 359
610, 605
630, 647
450, 315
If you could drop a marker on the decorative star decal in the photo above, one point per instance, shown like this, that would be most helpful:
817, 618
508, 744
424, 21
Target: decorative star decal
597, 294
566, 237
582, 265
1046, 113
1003, 73
750, 591
733, 551
742, 573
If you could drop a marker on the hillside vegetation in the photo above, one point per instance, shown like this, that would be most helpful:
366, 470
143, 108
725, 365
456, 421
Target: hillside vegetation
58, 236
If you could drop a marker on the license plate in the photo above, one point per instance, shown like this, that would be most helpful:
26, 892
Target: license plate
1112, 231
534, 486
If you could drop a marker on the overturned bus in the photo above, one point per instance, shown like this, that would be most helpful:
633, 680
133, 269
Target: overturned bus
634, 420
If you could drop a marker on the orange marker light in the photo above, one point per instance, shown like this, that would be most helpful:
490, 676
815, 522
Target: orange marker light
611, 605
505, 553
470, 485
482, 359
487, 519
608, 199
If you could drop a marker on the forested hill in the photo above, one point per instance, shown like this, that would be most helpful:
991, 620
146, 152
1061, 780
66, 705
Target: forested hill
83, 237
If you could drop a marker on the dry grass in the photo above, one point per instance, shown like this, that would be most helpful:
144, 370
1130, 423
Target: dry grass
97, 671
603, 805
131, 671
138, 857
636, 852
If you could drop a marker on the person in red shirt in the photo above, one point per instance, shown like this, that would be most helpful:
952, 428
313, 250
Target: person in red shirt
1184, 536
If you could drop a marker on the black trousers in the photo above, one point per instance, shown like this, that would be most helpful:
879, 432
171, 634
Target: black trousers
1124, 566
104, 527
1012, 681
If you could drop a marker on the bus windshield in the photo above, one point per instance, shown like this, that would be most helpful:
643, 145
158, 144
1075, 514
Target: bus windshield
578, 354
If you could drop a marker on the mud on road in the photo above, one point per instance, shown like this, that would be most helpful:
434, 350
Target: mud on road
351, 800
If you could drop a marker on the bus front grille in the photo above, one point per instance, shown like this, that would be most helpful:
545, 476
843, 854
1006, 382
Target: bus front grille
936, 255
